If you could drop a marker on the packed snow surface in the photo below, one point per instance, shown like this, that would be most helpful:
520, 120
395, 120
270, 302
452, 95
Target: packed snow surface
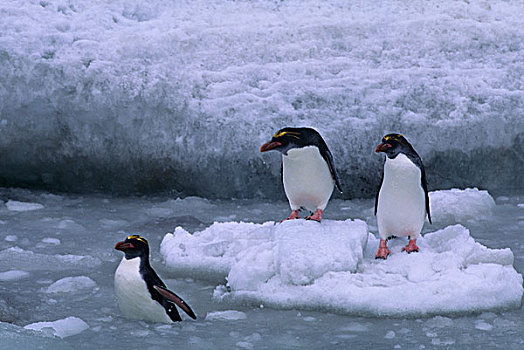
331, 266
62, 328
175, 93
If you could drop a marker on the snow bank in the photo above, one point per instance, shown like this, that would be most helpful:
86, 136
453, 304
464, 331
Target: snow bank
18, 258
298, 251
72, 285
456, 205
451, 274
22, 206
176, 92
62, 328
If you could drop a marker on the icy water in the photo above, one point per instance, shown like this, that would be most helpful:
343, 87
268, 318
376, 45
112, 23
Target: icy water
89, 226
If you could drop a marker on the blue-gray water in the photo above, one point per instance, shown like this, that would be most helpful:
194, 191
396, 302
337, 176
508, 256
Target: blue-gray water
90, 226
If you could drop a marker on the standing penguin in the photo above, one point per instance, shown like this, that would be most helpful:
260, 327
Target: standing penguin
140, 292
307, 170
402, 199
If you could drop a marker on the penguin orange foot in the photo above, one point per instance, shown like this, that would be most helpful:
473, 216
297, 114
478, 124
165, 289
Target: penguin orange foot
383, 250
317, 216
293, 215
411, 247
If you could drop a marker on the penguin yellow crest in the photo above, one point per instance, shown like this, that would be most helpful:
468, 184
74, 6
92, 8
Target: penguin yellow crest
282, 133
138, 238
392, 137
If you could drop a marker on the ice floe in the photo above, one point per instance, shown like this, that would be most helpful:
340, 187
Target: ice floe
331, 267
62, 328
457, 205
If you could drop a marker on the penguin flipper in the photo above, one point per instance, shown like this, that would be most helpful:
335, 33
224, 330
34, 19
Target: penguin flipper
328, 157
378, 191
169, 295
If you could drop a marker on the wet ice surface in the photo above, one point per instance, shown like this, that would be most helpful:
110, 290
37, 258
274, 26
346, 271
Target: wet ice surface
58, 262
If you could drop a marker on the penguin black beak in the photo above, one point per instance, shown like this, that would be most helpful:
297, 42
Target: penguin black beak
382, 147
268, 146
123, 246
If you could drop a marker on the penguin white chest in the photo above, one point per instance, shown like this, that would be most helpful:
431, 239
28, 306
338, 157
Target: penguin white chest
307, 180
134, 299
401, 207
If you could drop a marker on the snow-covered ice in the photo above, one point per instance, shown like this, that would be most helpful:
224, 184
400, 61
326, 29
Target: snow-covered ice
301, 264
175, 92
457, 205
62, 328
249, 254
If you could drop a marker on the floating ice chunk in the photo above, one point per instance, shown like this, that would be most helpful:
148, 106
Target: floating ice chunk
229, 315
483, 325
460, 205
72, 285
62, 328
451, 274
50, 240
18, 258
22, 206
13, 275
11, 238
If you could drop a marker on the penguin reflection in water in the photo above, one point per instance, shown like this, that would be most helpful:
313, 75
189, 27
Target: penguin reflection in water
140, 292
307, 171
402, 199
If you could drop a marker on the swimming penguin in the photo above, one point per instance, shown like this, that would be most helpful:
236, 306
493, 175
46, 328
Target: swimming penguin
140, 292
402, 199
307, 170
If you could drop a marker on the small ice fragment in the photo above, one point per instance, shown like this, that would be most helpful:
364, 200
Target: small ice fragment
50, 240
11, 238
483, 325
72, 285
309, 319
390, 335
13, 275
228, 315
23, 206
62, 328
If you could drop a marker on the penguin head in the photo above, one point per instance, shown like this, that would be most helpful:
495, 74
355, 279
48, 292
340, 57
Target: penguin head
134, 246
393, 144
287, 138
